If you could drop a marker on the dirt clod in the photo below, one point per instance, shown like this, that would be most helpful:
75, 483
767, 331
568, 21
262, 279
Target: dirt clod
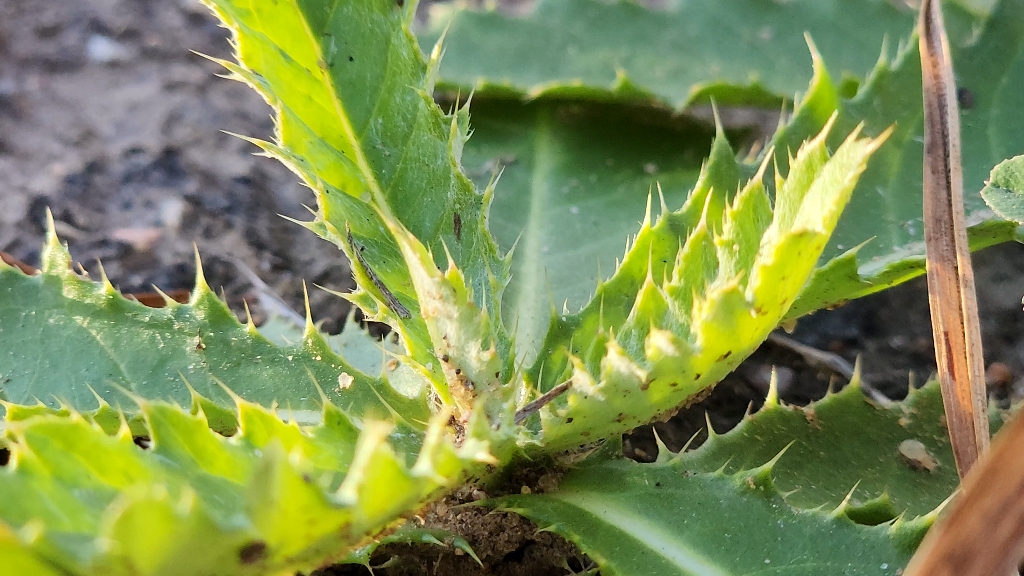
506, 544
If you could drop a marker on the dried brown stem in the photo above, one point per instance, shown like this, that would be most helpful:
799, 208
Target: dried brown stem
525, 412
954, 308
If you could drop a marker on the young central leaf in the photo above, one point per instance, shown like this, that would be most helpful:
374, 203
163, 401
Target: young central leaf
696, 293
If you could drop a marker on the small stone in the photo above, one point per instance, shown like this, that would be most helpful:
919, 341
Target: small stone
172, 210
548, 482
917, 456
106, 50
140, 239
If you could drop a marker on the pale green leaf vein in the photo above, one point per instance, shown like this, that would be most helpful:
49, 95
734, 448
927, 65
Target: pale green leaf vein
654, 537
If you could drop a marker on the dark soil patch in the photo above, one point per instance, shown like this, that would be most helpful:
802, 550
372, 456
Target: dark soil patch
506, 544
109, 121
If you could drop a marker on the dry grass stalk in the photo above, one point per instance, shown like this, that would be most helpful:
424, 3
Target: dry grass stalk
954, 308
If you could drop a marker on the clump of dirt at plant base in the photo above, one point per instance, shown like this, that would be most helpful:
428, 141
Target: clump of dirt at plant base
506, 544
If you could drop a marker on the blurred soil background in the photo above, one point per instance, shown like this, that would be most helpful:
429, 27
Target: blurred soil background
108, 120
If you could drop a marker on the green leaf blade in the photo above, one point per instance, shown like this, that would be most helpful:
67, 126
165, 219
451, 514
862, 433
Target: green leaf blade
686, 321
355, 119
736, 51
843, 452
115, 351
263, 501
655, 519
1004, 190
884, 223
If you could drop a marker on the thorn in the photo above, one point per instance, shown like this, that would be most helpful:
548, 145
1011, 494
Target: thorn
309, 326
779, 180
665, 455
200, 285
105, 280
647, 214
267, 297
168, 301
238, 400
772, 400
661, 198
828, 360
248, 316
55, 258
721, 469
138, 400
815, 54
845, 504
719, 125
100, 402
711, 429
316, 383
769, 156
689, 442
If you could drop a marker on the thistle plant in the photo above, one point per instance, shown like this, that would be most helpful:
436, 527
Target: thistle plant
262, 458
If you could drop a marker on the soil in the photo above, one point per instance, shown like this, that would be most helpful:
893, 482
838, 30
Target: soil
505, 544
109, 121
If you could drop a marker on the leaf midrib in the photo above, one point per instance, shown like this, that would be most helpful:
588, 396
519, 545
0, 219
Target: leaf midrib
529, 302
642, 530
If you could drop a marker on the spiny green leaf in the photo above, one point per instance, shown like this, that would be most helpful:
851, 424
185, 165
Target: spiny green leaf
654, 519
1004, 189
883, 222
361, 349
18, 560
70, 340
473, 362
575, 183
695, 294
276, 497
736, 51
885, 211
355, 119
842, 452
